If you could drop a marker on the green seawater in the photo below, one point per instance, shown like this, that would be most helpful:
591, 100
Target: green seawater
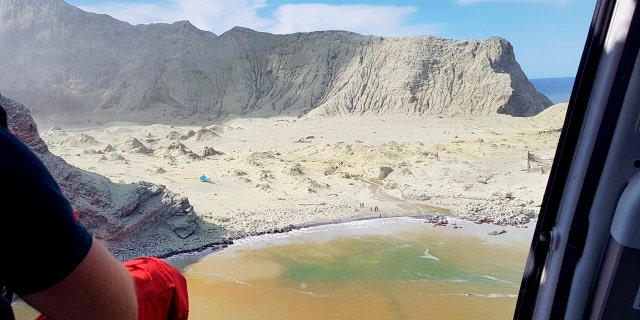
392, 269
375, 259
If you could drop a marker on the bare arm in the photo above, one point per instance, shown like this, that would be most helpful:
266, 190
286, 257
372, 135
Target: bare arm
99, 288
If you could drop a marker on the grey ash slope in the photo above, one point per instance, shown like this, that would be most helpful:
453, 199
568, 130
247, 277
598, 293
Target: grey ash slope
61, 60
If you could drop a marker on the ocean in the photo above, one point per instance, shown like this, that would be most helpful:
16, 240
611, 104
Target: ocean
396, 268
556, 89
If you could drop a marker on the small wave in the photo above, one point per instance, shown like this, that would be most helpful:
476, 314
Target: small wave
492, 278
205, 274
427, 255
490, 295
496, 295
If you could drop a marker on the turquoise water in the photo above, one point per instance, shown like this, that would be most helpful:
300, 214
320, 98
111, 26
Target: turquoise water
382, 259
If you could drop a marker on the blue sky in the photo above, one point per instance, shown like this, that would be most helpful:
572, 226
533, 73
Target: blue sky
547, 35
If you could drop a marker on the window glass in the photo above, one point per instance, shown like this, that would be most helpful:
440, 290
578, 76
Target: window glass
375, 159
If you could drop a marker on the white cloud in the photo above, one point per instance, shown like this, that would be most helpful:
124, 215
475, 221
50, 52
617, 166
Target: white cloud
363, 19
133, 13
214, 16
220, 16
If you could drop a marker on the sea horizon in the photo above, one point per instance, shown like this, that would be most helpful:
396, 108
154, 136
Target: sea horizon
557, 89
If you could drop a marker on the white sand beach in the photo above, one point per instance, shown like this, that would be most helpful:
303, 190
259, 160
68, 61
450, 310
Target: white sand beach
276, 172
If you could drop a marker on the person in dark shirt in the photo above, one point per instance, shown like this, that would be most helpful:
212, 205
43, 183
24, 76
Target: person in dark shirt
48, 258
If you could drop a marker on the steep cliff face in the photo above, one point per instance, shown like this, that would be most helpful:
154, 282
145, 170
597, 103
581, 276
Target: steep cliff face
434, 76
139, 214
61, 59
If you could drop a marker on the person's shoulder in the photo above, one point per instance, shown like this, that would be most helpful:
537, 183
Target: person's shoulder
9, 141
14, 152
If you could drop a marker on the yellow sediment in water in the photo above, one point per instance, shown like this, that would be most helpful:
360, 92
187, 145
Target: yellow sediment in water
370, 272
407, 275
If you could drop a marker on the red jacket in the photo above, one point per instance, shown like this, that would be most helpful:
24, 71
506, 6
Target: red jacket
162, 290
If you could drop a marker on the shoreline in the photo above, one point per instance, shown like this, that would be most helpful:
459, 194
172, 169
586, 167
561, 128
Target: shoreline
435, 220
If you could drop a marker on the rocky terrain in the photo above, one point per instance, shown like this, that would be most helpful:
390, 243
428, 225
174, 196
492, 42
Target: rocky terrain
298, 172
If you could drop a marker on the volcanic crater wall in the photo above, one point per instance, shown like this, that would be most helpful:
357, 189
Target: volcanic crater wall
58, 59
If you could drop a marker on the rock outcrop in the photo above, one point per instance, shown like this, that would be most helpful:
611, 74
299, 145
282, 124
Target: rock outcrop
131, 218
59, 59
